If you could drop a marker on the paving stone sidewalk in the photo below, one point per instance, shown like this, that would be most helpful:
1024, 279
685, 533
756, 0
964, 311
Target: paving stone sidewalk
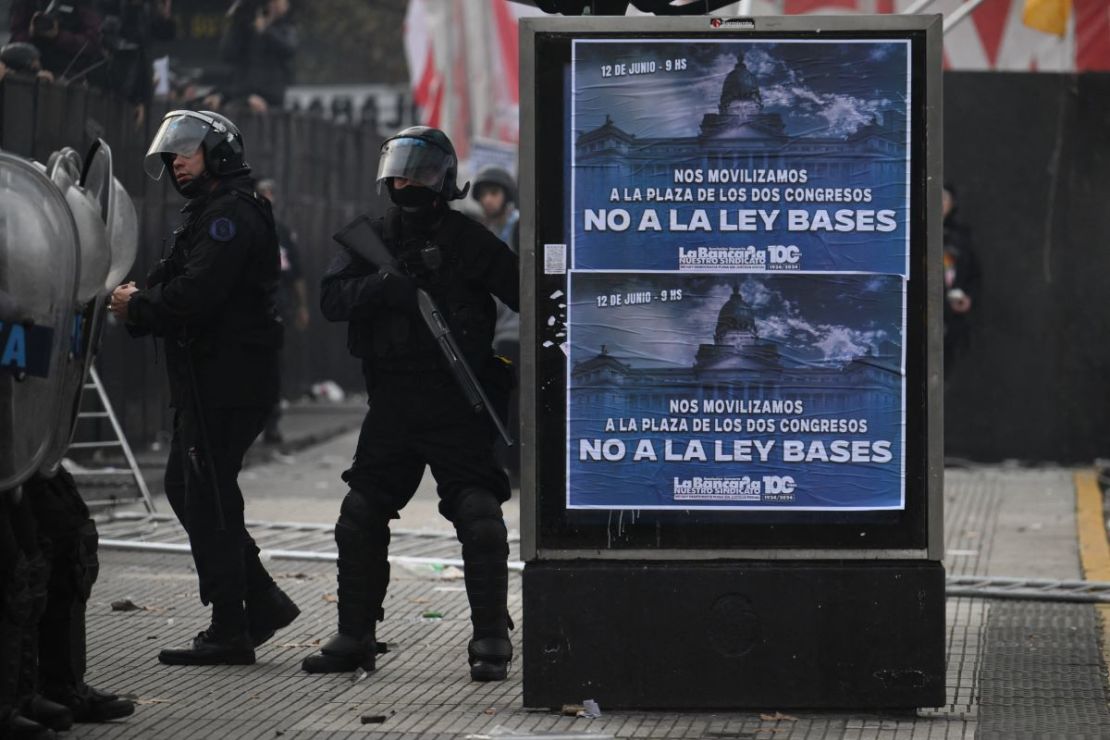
1015, 668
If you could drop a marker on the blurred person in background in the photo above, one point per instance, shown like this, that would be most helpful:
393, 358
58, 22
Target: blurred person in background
187, 89
260, 43
127, 30
22, 58
292, 295
67, 36
962, 280
495, 191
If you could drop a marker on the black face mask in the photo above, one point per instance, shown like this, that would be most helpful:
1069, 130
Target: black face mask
413, 197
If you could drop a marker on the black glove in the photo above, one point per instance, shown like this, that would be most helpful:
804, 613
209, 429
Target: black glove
157, 276
398, 289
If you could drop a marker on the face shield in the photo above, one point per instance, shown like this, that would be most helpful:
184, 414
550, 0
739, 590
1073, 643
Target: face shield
181, 132
422, 162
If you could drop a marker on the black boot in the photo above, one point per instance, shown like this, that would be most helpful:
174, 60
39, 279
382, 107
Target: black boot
48, 713
487, 585
343, 654
269, 612
93, 705
213, 646
362, 541
17, 727
490, 658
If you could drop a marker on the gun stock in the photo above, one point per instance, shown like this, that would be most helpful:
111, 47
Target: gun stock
359, 237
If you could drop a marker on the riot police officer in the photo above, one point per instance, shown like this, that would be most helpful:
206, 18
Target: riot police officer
212, 301
418, 416
48, 542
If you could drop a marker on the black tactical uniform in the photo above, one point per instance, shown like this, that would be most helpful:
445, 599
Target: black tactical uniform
48, 542
48, 565
212, 301
24, 574
418, 415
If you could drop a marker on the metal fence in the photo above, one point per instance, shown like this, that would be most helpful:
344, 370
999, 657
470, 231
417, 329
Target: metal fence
324, 175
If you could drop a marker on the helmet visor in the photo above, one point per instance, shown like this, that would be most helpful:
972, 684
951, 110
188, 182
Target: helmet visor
419, 161
181, 133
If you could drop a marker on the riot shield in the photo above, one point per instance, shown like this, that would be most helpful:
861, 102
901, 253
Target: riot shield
94, 200
123, 235
39, 273
116, 209
64, 168
96, 177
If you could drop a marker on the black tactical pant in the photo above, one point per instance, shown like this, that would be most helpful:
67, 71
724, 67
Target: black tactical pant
23, 576
48, 565
69, 542
422, 420
226, 556
414, 422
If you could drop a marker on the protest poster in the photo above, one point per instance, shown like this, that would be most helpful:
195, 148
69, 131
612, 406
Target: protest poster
739, 251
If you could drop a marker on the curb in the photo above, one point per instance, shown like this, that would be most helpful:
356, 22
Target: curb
1094, 550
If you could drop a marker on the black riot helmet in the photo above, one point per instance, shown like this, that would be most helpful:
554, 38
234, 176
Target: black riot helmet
185, 131
491, 175
425, 156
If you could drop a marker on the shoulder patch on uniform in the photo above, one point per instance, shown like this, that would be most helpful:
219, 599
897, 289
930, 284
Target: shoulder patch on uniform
222, 229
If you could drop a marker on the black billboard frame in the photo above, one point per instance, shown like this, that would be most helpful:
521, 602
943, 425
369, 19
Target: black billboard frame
549, 531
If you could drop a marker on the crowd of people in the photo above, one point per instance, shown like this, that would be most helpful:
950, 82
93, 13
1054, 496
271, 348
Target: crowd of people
109, 44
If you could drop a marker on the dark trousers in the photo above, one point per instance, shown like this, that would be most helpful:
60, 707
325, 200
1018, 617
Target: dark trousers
424, 421
48, 565
226, 557
414, 423
23, 577
69, 542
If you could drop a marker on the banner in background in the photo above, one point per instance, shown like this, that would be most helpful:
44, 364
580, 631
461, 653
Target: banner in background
462, 56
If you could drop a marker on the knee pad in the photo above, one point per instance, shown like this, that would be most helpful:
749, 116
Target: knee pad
479, 523
362, 536
362, 517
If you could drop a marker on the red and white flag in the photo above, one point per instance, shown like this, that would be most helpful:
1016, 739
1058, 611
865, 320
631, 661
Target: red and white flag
464, 66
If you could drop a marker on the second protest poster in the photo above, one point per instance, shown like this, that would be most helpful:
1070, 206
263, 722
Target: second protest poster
738, 263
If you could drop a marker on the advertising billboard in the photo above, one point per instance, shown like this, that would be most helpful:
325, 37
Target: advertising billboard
729, 257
